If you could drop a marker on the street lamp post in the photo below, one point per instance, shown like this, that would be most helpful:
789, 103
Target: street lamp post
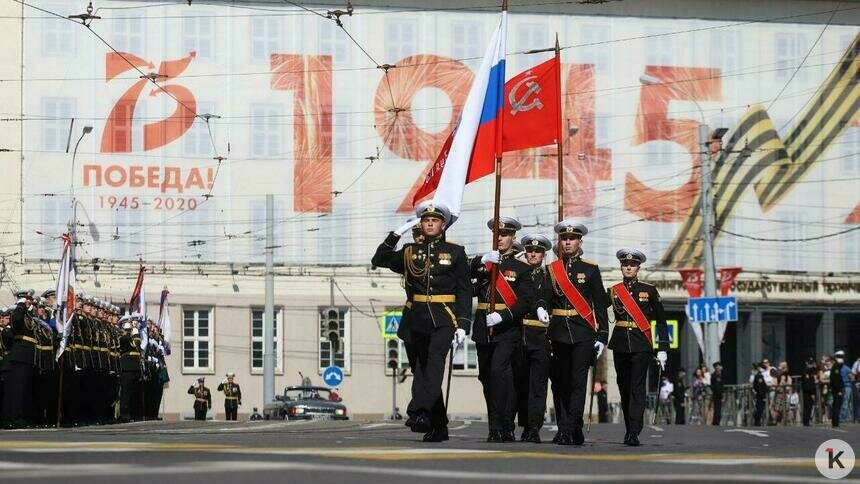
73, 222
711, 331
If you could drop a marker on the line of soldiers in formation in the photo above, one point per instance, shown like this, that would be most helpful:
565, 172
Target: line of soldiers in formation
109, 369
546, 322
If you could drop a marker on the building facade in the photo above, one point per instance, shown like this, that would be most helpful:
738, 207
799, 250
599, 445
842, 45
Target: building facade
199, 112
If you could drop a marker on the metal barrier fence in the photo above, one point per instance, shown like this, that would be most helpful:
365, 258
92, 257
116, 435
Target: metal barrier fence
784, 405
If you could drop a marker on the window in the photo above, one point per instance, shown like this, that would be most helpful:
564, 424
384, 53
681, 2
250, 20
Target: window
257, 237
128, 223
265, 37
659, 48
198, 35
468, 40
848, 145
198, 231
55, 128
595, 51
55, 216
532, 36
332, 239
128, 35
400, 39
789, 51
334, 43
725, 51
602, 129
58, 35
266, 130
727, 247
851, 251
196, 141
257, 340
794, 225
340, 131
197, 329
466, 358
334, 353
660, 235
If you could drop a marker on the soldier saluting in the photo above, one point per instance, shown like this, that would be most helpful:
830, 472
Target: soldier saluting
202, 399
437, 282
635, 304
232, 396
578, 328
497, 333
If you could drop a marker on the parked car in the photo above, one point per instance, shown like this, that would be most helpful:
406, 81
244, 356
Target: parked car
306, 403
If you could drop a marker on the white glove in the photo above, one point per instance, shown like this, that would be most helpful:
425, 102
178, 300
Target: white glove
134, 331
492, 256
493, 319
21, 301
406, 227
459, 338
542, 315
661, 358
598, 347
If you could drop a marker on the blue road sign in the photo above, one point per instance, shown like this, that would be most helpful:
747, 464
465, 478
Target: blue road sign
712, 309
333, 376
390, 323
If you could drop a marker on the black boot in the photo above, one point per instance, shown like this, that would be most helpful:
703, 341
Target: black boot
626, 438
634, 440
495, 436
533, 436
410, 421
563, 438
524, 434
422, 424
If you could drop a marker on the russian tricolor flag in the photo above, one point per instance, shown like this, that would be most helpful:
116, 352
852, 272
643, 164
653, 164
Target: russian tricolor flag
479, 128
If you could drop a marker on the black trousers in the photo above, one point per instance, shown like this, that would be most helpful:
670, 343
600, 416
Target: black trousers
129, 396
531, 374
495, 371
47, 390
571, 364
680, 411
410, 356
154, 392
18, 397
718, 409
759, 411
836, 409
231, 408
200, 414
808, 402
632, 370
431, 351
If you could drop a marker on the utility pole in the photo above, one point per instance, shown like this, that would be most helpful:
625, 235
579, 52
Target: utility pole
712, 328
269, 317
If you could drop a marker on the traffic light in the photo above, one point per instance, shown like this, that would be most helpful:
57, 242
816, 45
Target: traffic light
332, 325
393, 352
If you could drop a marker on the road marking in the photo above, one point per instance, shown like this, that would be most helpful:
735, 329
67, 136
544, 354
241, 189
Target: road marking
757, 433
765, 461
466, 424
12, 470
378, 425
656, 428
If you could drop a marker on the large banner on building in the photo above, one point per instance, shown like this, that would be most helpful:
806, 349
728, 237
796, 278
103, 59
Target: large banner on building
198, 112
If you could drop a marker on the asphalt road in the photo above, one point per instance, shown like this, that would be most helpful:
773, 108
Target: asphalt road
386, 452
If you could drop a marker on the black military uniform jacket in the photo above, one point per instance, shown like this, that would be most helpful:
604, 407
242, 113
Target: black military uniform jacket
46, 345
232, 392
7, 338
23, 348
633, 340
516, 273
585, 275
435, 268
717, 384
202, 398
129, 353
534, 331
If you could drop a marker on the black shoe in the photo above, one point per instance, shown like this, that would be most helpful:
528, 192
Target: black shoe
533, 436
422, 424
563, 438
436, 435
556, 437
495, 436
627, 438
577, 437
508, 436
410, 421
524, 434
634, 440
